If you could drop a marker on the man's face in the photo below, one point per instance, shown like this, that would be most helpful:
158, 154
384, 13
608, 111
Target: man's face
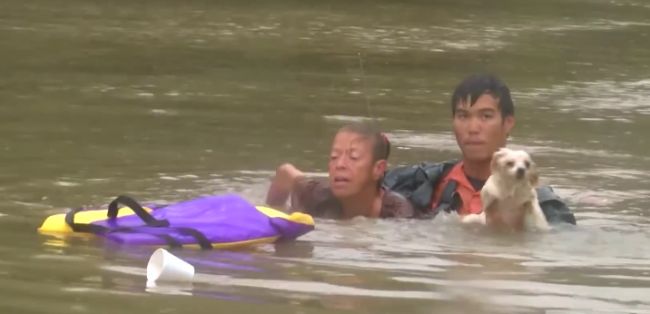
480, 130
351, 169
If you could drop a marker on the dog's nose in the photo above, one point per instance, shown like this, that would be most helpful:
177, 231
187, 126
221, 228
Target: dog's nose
520, 173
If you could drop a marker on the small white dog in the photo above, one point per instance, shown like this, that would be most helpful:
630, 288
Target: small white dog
509, 198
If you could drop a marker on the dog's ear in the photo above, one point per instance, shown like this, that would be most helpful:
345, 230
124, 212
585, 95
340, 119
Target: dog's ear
494, 164
533, 176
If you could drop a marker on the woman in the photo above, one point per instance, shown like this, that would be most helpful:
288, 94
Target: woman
358, 160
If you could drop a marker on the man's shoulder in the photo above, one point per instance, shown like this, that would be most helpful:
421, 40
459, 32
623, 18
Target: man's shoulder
417, 182
424, 171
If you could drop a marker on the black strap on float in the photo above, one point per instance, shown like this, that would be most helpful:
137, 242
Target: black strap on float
201, 239
171, 241
147, 218
82, 227
112, 215
137, 209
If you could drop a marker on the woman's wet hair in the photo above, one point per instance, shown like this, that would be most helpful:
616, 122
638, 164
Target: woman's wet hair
380, 143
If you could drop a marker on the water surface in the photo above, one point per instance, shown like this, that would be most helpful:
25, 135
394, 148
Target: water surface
169, 100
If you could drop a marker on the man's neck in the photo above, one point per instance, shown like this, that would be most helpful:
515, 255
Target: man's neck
367, 203
477, 170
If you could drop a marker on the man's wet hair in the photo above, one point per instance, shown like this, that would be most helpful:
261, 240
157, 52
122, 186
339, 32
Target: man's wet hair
473, 86
380, 143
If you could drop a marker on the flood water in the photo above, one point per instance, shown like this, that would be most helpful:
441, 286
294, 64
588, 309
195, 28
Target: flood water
170, 100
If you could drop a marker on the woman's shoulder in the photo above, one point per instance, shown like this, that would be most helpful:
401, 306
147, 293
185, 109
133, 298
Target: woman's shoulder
395, 205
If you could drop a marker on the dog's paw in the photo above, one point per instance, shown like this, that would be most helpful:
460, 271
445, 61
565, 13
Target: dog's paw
536, 220
474, 219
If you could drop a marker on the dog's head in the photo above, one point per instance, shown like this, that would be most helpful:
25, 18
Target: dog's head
514, 164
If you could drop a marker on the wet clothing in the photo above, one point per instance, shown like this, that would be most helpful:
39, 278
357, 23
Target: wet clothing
470, 197
314, 196
435, 187
477, 184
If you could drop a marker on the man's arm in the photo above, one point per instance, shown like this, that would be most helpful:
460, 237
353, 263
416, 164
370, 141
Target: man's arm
282, 185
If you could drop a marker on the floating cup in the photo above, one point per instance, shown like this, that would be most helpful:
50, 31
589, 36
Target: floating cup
163, 266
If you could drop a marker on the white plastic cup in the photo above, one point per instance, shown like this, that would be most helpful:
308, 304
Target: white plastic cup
164, 266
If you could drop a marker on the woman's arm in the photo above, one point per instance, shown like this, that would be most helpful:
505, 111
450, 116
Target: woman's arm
282, 185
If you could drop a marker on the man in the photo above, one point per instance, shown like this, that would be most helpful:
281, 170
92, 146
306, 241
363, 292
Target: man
353, 188
483, 116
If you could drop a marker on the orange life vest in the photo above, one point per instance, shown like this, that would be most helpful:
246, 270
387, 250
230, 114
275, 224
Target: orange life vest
469, 197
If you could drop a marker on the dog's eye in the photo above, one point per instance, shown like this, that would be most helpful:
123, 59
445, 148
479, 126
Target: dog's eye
527, 163
510, 164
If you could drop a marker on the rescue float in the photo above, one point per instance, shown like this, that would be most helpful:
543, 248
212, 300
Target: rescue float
219, 221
